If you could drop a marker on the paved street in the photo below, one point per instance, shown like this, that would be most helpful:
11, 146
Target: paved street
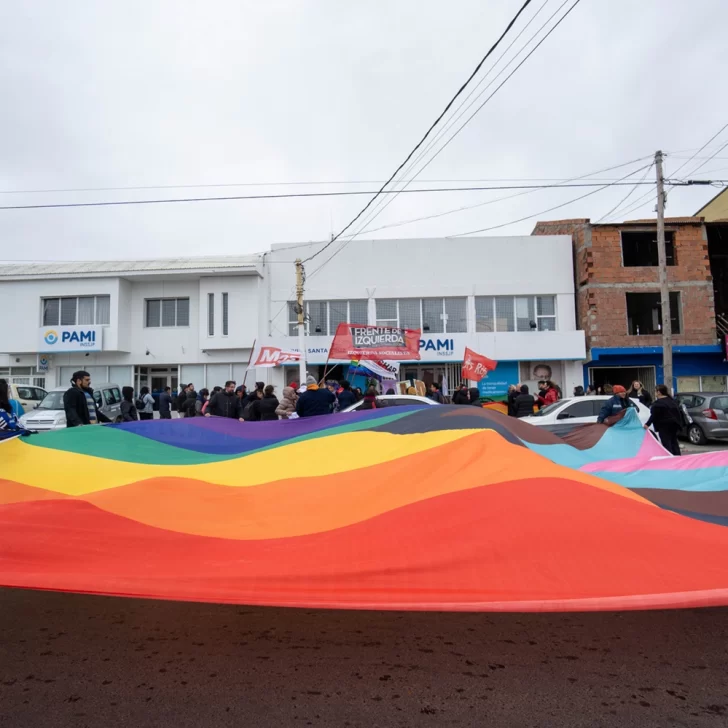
68, 660
686, 447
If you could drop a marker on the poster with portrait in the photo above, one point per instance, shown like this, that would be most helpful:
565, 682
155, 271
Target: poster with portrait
536, 371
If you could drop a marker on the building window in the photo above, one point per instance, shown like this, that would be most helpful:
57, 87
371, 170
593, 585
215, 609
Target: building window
644, 313
210, 314
324, 317
639, 248
429, 315
224, 314
77, 311
167, 312
515, 313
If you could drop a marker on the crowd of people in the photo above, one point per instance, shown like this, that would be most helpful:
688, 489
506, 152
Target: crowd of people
522, 403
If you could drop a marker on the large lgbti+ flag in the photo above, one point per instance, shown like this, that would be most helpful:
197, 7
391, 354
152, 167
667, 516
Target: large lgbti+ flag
476, 366
354, 342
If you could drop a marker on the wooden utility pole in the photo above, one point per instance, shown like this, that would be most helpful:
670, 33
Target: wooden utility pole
664, 290
301, 322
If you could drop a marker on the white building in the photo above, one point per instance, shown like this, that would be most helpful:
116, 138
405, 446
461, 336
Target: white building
509, 298
158, 323
155, 323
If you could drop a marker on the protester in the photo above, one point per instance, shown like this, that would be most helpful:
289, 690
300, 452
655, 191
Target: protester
513, 392
474, 397
524, 402
435, 394
15, 406
333, 387
264, 409
226, 403
667, 419
579, 391
201, 403
184, 393
255, 394
287, 405
615, 404
460, 395
147, 410
165, 404
370, 400
314, 401
346, 397
79, 403
609, 389
250, 412
591, 390
190, 405
638, 392
10, 410
128, 408
549, 394
358, 394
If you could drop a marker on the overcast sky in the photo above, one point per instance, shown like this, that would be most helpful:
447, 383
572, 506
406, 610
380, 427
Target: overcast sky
150, 92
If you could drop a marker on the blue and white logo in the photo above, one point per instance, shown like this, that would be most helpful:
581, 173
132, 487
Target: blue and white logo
51, 337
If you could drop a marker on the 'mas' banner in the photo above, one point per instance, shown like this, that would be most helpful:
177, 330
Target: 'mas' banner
375, 342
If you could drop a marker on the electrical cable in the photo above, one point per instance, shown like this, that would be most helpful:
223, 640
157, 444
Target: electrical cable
432, 126
627, 196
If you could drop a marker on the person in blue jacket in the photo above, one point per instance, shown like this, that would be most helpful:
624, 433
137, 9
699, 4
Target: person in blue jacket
615, 404
315, 401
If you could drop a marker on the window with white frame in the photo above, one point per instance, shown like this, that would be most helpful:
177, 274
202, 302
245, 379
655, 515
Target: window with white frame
167, 312
225, 310
76, 311
324, 317
515, 313
429, 315
210, 314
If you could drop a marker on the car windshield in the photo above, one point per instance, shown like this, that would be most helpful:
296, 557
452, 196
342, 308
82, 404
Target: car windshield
550, 408
52, 401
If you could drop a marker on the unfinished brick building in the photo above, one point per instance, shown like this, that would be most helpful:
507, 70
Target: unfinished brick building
618, 302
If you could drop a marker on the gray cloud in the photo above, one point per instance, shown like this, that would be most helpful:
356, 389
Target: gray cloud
161, 93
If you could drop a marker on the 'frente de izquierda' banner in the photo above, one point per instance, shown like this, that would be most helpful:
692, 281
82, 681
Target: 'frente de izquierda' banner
353, 341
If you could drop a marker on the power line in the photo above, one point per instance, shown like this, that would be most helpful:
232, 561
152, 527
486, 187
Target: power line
427, 133
685, 164
542, 212
293, 195
628, 195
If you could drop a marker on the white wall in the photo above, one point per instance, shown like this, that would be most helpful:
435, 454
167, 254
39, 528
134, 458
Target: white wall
242, 312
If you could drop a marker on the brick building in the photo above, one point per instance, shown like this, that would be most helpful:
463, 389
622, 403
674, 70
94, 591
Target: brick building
618, 302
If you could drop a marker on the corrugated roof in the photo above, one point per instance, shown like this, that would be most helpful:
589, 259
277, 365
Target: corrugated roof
105, 267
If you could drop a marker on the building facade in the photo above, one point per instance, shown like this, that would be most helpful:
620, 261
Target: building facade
618, 302
145, 323
159, 323
510, 298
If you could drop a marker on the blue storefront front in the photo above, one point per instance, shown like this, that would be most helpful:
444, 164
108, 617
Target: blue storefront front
695, 368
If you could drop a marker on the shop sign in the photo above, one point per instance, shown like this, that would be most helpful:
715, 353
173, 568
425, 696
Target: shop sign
69, 338
497, 382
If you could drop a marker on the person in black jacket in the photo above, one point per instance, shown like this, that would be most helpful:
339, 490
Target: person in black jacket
474, 397
225, 404
264, 410
435, 394
79, 403
346, 396
666, 418
524, 402
165, 404
315, 401
640, 393
461, 395
128, 408
513, 392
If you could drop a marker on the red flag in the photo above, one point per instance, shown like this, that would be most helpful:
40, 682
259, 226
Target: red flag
476, 366
353, 341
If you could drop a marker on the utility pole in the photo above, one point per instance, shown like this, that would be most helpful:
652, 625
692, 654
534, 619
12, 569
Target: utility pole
664, 290
301, 322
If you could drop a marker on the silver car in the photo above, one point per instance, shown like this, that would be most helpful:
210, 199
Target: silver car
50, 415
709, 414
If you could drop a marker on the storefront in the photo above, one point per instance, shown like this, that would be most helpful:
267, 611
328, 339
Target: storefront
695, 368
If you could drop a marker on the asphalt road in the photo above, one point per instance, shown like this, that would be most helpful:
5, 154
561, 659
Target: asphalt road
69, 660
687, 448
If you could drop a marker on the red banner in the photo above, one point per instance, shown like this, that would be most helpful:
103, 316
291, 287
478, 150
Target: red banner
353, 341
476, 366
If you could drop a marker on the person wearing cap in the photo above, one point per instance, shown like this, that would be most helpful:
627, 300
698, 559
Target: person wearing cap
615, 404
315, 401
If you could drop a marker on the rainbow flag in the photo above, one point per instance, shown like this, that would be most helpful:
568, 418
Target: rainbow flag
435, 508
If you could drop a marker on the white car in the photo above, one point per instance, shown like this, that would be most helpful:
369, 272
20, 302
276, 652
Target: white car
50, 414
28, 395
394, 400
566, 414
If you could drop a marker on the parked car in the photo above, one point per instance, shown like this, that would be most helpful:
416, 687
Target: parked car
28, 395
50, 415
566, 414
709, 414
395, 400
